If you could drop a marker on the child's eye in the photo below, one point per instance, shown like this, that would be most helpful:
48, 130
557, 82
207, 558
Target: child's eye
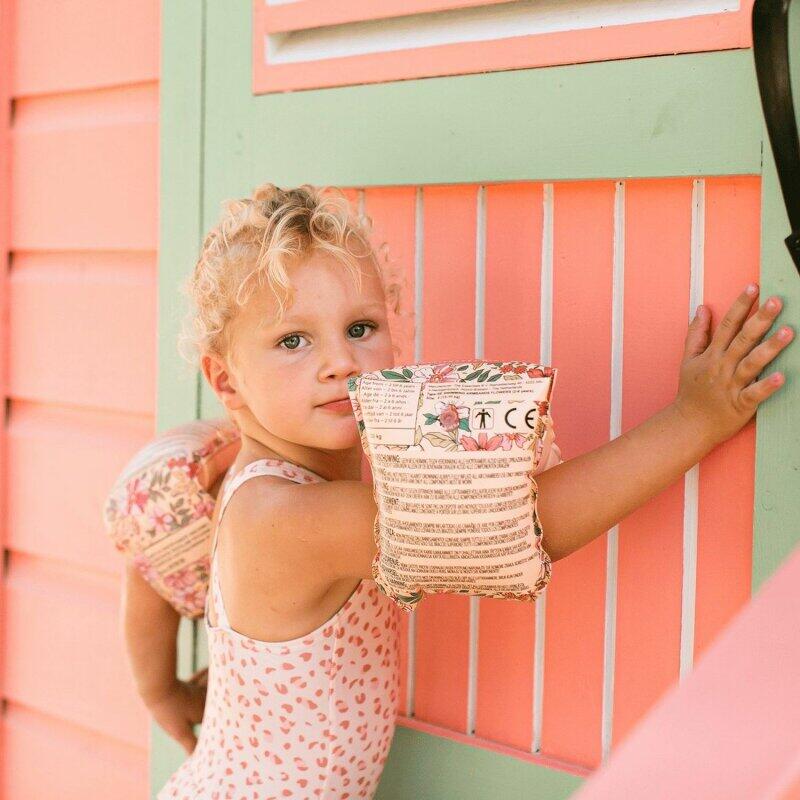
357, 331
289, 339
370, 325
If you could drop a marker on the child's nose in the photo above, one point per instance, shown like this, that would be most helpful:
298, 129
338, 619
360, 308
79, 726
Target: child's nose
339, 360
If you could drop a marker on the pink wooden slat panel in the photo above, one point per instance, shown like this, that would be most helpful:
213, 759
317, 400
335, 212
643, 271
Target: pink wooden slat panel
74, 455
63, 630
84, 184
316, 13
729, 731
47, 758
658, 218
352, 196
75, 44
695, 34
725, 524
7, 14
512, 298
393, 217
448, 334
582, 287
392, 212
107, 304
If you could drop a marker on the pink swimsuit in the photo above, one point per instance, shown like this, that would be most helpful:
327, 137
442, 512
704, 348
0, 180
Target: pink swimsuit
311, 717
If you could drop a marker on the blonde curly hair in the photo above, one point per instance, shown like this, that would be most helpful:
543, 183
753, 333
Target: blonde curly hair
254, 241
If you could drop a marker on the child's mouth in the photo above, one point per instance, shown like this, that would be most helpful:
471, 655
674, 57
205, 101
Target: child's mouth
338, 406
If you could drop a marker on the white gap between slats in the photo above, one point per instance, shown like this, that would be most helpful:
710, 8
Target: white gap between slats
614, 430
545, 357
481, 23
419, 293
480, 325
691, 481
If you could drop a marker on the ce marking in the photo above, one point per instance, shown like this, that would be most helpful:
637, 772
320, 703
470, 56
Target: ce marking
531, 412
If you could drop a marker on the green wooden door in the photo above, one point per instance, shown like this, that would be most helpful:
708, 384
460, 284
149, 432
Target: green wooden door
595, 170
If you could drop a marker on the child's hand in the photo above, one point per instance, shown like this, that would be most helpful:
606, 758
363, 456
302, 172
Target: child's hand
180, 708
717, 392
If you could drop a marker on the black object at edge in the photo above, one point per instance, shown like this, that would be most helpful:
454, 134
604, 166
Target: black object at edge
771, 53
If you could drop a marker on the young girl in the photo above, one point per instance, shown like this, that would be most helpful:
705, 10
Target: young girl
303, 648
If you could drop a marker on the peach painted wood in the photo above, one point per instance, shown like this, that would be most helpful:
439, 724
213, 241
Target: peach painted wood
448, 333
87, 294
727, 474
696, 34
658, 219
53, 759
583, 223
84, 449
7, 47
512, 298
83, 44
392, 211
730, 729
81, 385
69, 170
54, 608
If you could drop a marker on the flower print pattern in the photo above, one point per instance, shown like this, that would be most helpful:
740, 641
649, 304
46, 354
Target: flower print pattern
137, 496
450, 416
160, 505
482, 442
440, 373
510, 440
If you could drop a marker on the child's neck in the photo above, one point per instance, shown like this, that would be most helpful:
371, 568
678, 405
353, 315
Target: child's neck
333, 465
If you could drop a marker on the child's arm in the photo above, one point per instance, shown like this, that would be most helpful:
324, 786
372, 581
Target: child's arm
717, 395
579, 499
151, 627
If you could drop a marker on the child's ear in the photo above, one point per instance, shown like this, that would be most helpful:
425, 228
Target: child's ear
221, 381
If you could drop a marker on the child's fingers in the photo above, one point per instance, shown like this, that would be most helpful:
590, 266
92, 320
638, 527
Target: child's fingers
200, 678
751, 366
759, 391
753, 331
187, 739
188, 742
731, 323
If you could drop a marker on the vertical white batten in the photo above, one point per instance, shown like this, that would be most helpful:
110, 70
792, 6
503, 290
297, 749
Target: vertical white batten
480, 323
545, 356
691, 480
614, 430
419, 274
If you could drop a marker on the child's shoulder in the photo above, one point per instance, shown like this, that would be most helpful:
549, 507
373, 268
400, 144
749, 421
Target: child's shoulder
283, 525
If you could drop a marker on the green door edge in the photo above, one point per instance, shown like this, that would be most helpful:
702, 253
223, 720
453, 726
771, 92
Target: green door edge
666, 116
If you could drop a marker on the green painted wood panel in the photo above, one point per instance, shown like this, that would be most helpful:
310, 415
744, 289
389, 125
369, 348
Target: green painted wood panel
430, 767
667, 116
777, 486
684, 115
180, 234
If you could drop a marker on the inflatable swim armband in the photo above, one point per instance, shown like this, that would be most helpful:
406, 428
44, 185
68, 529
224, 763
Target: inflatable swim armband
453, 448
158, 513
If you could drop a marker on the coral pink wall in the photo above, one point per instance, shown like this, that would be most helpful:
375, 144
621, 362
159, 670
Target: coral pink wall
81, 350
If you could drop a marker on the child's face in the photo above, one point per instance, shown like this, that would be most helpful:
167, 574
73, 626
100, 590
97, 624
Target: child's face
280, 374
